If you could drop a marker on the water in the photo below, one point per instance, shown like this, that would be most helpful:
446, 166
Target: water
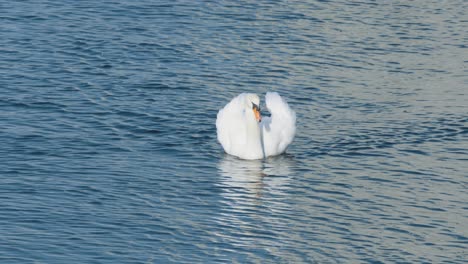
108, 145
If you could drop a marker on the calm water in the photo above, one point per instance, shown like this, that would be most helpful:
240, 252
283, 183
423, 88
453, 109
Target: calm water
108, 142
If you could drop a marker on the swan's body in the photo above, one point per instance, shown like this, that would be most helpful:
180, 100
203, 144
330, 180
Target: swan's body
242, 135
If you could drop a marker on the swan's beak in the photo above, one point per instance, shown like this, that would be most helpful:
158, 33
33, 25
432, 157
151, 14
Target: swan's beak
257, 114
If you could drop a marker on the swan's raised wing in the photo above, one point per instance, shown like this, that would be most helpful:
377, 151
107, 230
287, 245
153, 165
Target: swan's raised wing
231, 126
278, 130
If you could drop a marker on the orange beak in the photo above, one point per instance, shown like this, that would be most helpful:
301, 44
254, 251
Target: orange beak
257, 114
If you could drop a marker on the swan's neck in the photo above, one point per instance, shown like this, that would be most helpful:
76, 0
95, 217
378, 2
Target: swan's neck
254, 138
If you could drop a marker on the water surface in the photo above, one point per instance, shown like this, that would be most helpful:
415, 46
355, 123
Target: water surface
108, 141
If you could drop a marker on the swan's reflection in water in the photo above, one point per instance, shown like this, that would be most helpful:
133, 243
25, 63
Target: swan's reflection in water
250, 178
254, 197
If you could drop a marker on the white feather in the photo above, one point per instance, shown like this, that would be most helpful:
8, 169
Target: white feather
242, 136
279, 129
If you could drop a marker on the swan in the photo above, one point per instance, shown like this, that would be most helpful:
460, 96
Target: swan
243, 132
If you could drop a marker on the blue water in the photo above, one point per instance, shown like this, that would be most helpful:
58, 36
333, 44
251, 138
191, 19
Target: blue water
108, 150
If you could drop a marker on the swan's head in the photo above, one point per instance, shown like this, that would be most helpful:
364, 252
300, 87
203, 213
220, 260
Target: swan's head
253, 103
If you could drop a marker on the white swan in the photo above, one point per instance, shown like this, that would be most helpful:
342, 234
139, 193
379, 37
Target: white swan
243, 133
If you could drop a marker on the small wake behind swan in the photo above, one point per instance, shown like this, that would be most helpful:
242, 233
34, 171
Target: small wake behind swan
244, 133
